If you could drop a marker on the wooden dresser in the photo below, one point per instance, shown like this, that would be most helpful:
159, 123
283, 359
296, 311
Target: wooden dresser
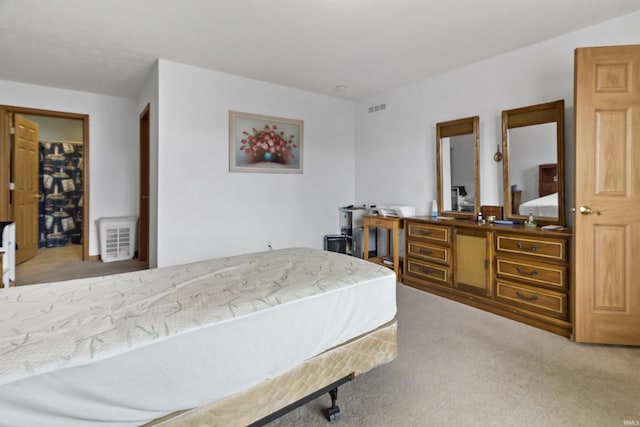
509, 270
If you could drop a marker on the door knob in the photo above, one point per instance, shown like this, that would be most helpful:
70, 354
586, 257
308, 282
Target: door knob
586, 210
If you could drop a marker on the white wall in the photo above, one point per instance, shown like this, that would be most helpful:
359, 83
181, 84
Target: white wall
204, 210
395, 148
112, 142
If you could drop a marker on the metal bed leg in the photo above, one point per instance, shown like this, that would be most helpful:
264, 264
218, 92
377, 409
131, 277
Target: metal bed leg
333, 413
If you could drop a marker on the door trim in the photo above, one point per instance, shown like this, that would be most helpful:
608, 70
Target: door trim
5, 113
143, 224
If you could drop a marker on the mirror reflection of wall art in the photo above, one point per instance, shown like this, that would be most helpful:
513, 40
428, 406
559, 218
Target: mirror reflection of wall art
264, 144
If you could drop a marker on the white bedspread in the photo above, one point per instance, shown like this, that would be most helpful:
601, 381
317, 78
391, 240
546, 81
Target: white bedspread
546, 206
66, 340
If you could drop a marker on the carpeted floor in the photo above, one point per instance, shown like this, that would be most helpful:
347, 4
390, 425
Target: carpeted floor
459, 366
65, 263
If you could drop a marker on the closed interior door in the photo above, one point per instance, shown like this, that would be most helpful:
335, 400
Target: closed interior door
606, 285
25, 195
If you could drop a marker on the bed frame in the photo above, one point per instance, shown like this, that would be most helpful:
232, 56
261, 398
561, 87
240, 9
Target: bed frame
277, 396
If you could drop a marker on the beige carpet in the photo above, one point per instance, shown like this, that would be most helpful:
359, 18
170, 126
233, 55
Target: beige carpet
459, 366
65, 263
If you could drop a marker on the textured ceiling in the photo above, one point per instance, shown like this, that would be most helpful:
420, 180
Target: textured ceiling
369, 46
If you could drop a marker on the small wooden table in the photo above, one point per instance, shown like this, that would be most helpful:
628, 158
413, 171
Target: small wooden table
393, 226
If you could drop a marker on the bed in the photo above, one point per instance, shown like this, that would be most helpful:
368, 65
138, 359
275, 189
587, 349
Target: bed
546, 206
218, 342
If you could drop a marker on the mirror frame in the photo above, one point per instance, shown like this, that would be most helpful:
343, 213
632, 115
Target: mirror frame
468, 125
550, 112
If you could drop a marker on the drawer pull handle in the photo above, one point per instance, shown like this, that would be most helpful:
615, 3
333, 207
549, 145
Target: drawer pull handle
426, 270
426, 252
532, 298
532, 248
426, 233
531, 273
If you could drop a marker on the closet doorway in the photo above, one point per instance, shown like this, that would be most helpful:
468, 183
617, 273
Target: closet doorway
53, 211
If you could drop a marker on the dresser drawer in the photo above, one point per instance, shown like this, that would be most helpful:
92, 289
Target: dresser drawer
545, 301
429, 232
425, 270
543, 248
533, 272
384, 222
429, 252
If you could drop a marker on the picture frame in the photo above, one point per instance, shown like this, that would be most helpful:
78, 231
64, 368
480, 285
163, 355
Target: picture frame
265, 144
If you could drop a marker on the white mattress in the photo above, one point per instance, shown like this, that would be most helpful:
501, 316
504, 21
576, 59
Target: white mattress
546, 206
125, 349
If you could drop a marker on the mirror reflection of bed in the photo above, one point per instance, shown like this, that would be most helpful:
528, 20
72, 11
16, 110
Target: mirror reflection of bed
533, 144
531, 147
546, 204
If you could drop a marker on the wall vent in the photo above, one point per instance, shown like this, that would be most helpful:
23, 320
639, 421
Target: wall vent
376, 108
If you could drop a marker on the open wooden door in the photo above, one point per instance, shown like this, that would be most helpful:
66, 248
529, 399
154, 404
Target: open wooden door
25, 194
606, 287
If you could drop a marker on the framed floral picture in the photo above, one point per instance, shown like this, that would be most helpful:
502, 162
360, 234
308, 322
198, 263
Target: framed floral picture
260, 143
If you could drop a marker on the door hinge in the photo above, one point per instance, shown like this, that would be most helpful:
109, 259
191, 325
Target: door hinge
486, 264
12, 130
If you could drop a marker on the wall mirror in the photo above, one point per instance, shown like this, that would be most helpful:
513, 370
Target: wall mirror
458, 171
533, 163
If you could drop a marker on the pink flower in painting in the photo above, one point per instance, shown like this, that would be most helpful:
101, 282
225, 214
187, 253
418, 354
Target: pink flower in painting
267, 144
